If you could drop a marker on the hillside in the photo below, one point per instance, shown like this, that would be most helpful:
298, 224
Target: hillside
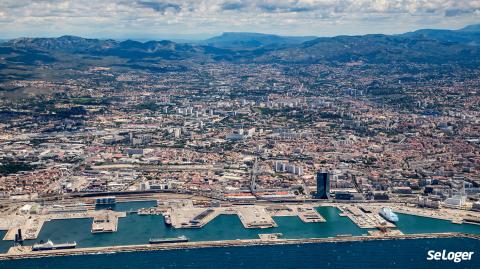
237, 41
420, 47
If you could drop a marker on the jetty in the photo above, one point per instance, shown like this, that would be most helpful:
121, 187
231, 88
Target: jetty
32, 226
106, 222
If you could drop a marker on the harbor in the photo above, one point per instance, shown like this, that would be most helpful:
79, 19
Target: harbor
138, 224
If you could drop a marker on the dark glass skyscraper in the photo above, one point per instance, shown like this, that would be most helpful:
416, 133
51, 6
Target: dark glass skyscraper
323, 185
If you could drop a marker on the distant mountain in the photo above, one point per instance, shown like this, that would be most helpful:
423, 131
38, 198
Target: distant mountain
62, 44
376, 49
128, 49
471, 28
238, 40
151, 49
469, 35
422, 46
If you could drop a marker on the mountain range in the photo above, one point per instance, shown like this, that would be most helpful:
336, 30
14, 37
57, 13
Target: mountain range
238, 40
468, 35
427, 46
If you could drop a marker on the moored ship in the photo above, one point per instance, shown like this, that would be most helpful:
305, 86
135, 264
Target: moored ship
168, 220
168, 240
49, 245
388, 214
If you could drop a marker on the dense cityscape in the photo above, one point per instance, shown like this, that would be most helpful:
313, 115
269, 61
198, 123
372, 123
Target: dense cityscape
201, 131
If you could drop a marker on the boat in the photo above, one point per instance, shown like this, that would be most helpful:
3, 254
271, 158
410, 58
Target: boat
168, 220
388, 214
49, 245
168, 240
344, 235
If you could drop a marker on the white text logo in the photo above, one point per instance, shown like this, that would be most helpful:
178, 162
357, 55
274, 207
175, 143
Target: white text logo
449, 256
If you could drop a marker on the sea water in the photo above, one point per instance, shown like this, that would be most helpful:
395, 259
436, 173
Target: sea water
406, 253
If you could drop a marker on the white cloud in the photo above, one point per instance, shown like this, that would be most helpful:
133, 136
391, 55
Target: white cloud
154, 18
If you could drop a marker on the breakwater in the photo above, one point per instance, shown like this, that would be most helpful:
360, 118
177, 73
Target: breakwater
224, 243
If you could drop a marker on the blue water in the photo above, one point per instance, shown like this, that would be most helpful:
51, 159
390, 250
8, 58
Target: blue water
4, 245
392, 254
410, 224
135, 229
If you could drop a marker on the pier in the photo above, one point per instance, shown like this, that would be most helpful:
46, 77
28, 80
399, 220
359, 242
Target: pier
196, 217
255, 217
365, 217
192, 217
251, 216
308, 213
31, 227
106, 221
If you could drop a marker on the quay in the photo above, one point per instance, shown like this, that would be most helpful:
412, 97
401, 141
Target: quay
106, 221
255, 217
26, 252
251, 216
192, 217
306, 212
31, 227
365, 217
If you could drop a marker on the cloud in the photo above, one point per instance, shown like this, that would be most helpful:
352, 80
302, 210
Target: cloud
160, 6
293, 17
458, 11
233, 5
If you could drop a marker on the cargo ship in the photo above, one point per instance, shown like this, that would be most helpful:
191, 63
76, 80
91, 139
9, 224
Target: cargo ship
49, 245
168, 240
388, 214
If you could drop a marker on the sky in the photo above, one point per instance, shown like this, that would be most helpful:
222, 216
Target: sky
198, 19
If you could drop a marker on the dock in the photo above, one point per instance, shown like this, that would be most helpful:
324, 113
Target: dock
365, 217
150, 211
307, 213
255, 217
106, 221
193, 217
196, 217
31, 227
